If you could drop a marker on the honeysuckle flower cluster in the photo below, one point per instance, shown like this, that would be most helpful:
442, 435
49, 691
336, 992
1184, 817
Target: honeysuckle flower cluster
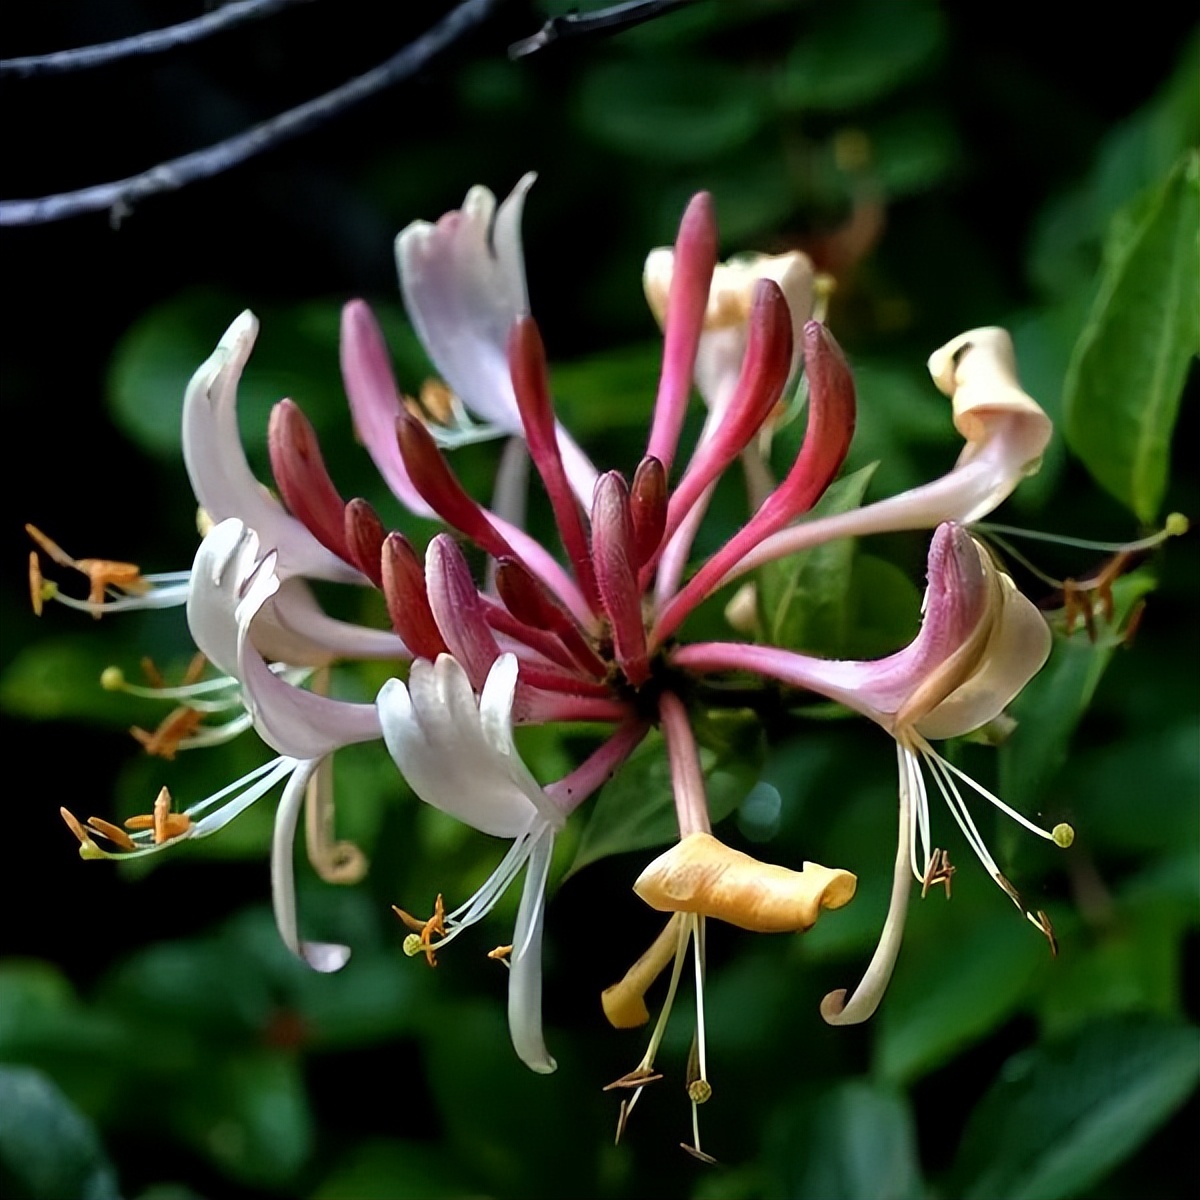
585, 631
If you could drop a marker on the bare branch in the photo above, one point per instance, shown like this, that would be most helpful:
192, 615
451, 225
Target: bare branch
607, 21
154, 41
120, 195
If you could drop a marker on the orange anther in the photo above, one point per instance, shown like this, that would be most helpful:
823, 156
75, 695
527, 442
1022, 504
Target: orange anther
165, 741
426, 929
114, 833
74, 826
36, 583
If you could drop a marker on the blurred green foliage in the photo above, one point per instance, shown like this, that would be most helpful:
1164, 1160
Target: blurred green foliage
209, 1062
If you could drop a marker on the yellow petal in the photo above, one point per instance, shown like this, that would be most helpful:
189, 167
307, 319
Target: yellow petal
702, 875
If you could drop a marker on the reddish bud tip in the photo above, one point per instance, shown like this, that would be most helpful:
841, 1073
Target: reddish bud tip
648, 508
365, 534
302, 479
407, 598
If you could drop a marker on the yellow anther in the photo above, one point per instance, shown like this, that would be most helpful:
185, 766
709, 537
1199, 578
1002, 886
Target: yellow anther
170, 732
500, 953
114, 833
75, 827
437, 402
165, 823
204, 523
699, 1091
424, 931
1062, 834
37, 584
112, 679
102, 573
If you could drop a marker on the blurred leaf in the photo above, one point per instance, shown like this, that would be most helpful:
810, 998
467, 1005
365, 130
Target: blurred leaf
1127, 372
505, 1119
250, 1115
1105, 780
59, 679
884, 608
399, 1170
912, 152
1061, 1115
636, 808
856, 1142
296, 355
661, 109
617, 388
939, 1003
802, 598
1053, 702
1130, 966
1139, 151
48, 1149
859, 51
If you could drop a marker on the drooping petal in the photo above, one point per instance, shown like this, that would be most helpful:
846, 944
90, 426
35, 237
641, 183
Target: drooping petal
220, 475
525, 976
322, 956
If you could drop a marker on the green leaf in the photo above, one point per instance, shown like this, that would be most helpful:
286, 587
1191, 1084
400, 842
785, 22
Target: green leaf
636, 809
1053, 702
861, 51
884, 607
658, 109
296, 355
48, 1149
802, 598
856, 1143
400, 1170
939, 1003
250, 1115
1127, 372
1062, 1115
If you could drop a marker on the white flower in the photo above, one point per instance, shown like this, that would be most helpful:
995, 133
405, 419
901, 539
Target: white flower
457, 753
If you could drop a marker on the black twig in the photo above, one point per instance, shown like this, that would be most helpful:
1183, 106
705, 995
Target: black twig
614, 19
120, 195
155, 41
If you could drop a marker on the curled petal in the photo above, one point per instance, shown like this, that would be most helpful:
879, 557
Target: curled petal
835, 1008
624, 1003
220, 475
702, 875
322, 956
434, 731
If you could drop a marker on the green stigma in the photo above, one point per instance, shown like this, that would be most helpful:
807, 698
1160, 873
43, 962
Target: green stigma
1063, 835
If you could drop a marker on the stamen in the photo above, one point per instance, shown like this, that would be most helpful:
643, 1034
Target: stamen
1041, 922
37, 585
424, 932
170, 733
102, 573
939, 871
501, 954
114, 833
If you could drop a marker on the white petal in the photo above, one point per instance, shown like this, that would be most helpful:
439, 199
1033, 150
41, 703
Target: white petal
226, 558
217, 467
1016, 652
525, 976
323, 956
432, 730
463, 281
